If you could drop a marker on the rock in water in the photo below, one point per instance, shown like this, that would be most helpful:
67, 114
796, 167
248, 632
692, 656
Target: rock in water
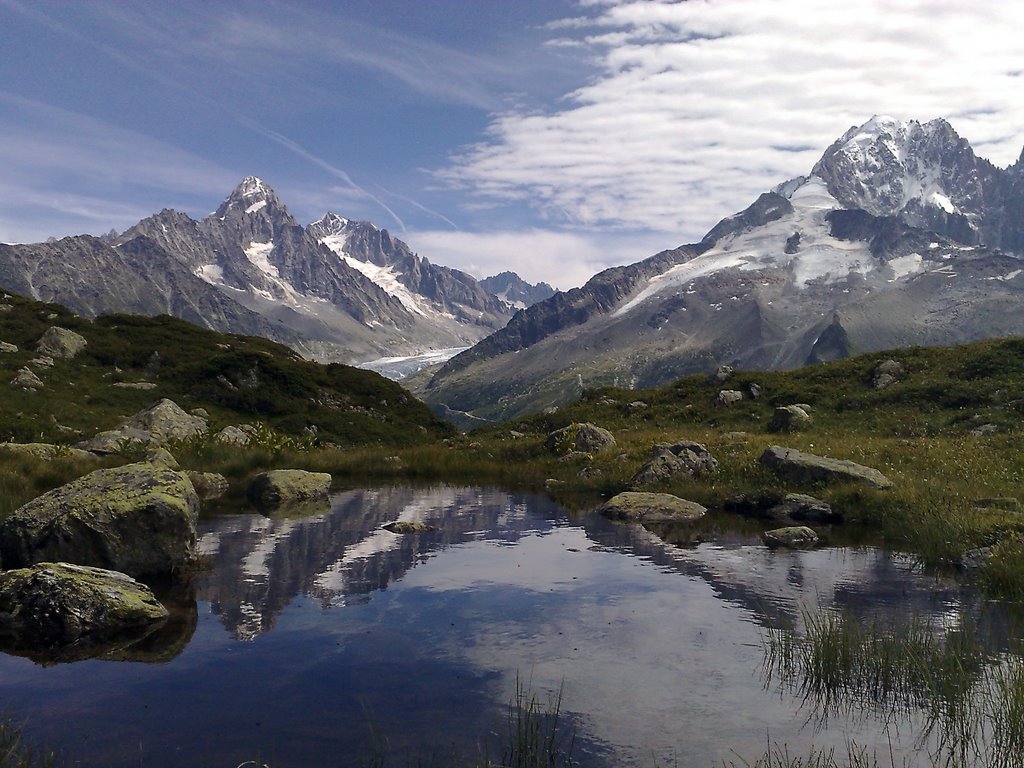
651, 508
793, 537
807, 468
60, 342
278, 487
139, 519
584, 437
56, 604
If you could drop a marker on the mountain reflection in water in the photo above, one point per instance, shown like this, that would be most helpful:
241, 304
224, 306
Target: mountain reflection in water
336, 629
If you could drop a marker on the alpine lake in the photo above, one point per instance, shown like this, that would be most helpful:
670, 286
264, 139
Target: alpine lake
317, 638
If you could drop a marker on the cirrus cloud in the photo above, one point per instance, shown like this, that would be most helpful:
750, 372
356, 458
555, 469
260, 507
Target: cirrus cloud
699, 106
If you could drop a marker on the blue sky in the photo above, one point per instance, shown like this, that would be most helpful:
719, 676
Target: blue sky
552, 137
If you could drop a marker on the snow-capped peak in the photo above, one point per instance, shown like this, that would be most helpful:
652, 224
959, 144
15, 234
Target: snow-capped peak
252, 195
329, 224
252, 186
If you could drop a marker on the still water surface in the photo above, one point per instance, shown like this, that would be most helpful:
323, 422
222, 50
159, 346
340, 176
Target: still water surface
322, 640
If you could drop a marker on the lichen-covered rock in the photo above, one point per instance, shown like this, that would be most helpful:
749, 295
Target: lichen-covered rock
683, 457
7, 347
807, 468
651, 508
232, 435
25, 378
789, 418
729, 396
278, 487
583, 437
60, 342
57, 604
157, 425
406, 527
138, 519
45, 451
162, 457
208, 485
792, 537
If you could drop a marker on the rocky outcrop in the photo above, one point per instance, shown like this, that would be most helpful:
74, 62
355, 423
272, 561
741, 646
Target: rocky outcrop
282, 487
789, 418
138, 519
25, 378
61, 343
683, 457
157, 425
792, 537
651, 508
807, 468
583, 437
57, 604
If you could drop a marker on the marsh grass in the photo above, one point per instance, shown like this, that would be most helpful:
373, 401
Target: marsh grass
15, 752
969, 699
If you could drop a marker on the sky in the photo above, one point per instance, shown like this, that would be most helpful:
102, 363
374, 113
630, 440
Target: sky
555, 138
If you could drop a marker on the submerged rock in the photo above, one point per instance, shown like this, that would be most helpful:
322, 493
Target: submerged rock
157, 425
807, 468
792, 537
138, 519
57, 604
582, 437
278, 487
408, 527
651, 508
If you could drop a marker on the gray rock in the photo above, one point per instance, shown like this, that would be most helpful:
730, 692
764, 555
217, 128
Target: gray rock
208, 485
163, 457
807, 468
57, 604
984, 429
651, 508
45, 451
754, 390
232, 435
60, 342
202, 413
141, 385
637, 405
157, 425
792, 537
138, 519
1005, 503
889, 368
727, 397
883, 381
588, 473
7, 348
789, 418
723, 373
975, 559
278, 487
43, 361
683, 457
582, 436
25, 378
800, 506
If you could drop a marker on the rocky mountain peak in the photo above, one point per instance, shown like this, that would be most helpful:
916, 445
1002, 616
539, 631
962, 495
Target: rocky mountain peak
253, 196
330, 224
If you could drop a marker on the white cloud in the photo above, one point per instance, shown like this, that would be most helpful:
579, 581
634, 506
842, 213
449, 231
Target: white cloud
562, 259
699, 106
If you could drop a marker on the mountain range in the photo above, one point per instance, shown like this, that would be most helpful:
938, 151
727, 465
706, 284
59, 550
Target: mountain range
336, 290
900, 235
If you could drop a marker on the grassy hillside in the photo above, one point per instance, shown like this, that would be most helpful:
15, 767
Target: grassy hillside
237, 379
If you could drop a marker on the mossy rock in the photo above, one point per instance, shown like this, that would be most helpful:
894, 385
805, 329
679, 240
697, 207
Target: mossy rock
582, 437
645, 507
790, 537
138, 519
281, 487
798, 466
61, 342
56, 604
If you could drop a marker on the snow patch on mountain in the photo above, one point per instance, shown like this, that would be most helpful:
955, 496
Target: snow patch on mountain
387, 278
259, 255
210, 273
259, 204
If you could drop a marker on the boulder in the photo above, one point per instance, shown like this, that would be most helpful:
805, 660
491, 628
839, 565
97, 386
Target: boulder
8, 348
406, 527
25, 378
141, 385
722, 373
807, 468
754, 390
208, 485
60, 342
727, 397
789, 418
157, 425
683, 457
800, 506
57, 604
138, 519
163, 457
45, 451
582, 437
792, 537
232, 435
651, 508
278, 487
43, 361
886, 373
975, 559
